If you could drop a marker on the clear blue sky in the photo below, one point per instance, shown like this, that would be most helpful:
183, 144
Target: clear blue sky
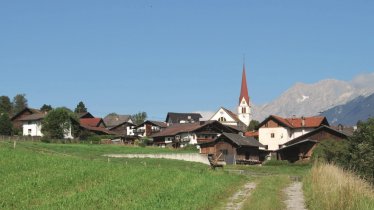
160, 56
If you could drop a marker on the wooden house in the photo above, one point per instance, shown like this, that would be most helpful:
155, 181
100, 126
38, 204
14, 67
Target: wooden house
301, 148
17, 118
234, 149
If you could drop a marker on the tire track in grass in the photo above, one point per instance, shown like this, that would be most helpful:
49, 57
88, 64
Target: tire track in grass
237, 200
294, 196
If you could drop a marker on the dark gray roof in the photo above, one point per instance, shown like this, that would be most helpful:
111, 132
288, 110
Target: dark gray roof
30, 117
114, 120
242, 140
173, 117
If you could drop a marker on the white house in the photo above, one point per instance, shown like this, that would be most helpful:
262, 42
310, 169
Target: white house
32, 126
275, 131
244, 116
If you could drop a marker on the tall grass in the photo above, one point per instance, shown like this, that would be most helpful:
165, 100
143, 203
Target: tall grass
330, 187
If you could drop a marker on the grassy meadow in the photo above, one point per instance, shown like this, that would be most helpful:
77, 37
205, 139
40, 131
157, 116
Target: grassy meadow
329, 187
59, 176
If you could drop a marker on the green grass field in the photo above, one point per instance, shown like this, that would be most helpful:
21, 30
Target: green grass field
59, 176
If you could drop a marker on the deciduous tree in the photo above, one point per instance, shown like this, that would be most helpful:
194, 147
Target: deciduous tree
253, 125
46, 108
58, 122
139, 118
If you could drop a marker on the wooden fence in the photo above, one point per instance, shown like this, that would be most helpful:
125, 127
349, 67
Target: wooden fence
20, 138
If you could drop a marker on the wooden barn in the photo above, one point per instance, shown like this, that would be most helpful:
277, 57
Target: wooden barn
234, 149
301, 148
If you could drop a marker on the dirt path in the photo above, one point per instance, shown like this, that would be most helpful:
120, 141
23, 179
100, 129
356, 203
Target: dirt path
294, 196
237, 200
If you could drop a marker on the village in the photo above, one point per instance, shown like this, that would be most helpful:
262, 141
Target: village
226, 137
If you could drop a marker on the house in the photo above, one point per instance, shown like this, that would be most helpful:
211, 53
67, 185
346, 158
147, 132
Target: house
275, 131
180, 135
83, 115
114, 120
16, 119
301, 148
32, 124
234, 149
244, 116
173, 117
122, 125
94, 125
149, 127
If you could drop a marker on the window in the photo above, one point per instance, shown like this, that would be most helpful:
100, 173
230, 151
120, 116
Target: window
272, 135
222, 119
224, 151
244, 110
29, 131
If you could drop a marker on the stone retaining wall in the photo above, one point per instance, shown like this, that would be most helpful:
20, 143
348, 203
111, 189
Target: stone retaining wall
192, 157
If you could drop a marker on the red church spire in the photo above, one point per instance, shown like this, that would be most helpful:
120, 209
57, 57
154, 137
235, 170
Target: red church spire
244, 89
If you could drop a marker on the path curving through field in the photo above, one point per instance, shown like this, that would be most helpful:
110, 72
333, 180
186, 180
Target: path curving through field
237, 200
294, 196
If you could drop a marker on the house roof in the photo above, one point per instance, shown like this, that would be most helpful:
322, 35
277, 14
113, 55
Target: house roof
251, 134
244, 88
231, 114
98, 129
174, 117
240, 140
27, 109
114, 120
154, 123
177, 128
311, 133
128, 123
301, 122
84, 115
93, 122
30, 117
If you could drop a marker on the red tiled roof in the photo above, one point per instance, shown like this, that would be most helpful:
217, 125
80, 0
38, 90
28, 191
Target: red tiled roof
100, 129
309, 122
93, 122
244, 88
251, 134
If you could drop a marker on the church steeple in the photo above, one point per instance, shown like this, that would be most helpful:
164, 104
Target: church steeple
244, 88
244, 106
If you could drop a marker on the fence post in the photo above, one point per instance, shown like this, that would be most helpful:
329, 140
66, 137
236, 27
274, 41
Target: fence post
14, 144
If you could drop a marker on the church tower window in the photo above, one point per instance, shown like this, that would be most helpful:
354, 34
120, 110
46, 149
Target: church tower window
222, 119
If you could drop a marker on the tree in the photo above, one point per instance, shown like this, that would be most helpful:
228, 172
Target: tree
19, 103
46, 108
253, 125
113, 114
361, 150
139, 117
5, 124
80, 108
58, 122
5, 105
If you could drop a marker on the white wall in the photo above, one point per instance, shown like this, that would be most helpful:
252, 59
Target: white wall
223, 113
32, 128
246, 117
281, 136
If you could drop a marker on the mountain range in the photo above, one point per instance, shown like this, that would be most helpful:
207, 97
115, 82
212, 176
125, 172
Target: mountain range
341, 101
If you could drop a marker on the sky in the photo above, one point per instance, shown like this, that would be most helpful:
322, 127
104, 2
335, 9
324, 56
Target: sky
177, 56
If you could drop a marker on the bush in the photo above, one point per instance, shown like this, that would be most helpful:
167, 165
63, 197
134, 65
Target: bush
94, 139
331, 151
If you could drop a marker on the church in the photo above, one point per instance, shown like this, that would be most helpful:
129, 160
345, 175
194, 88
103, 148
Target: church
244, 113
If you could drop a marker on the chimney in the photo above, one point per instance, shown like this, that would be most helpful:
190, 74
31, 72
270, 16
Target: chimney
303, 121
